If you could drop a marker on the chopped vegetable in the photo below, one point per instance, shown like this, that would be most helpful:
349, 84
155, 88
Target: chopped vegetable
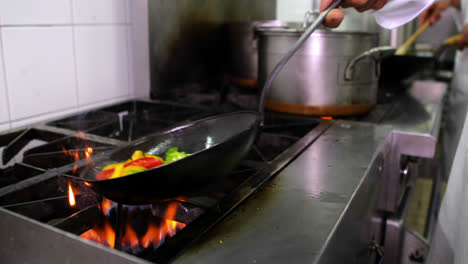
127, 169
153, 156
117, 171
173, 154
137, 155
135, 171
147, 162
104, 174
139, 162
113, 165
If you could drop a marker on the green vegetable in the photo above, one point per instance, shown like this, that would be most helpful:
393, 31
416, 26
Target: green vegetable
173, 154
134, 171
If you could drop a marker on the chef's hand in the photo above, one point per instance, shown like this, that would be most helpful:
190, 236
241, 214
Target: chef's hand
433, 13
336, 15
464, 41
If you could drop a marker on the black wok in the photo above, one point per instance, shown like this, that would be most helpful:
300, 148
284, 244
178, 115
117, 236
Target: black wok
399, 67
217, 144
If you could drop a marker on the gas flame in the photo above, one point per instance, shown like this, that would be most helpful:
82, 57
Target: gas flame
75, 155
326, 117
154, 235
88, 151
130, 238
104, 235
105, 205
71, 196
80, 135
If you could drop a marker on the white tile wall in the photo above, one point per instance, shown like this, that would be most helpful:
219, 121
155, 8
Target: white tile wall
101, 11
39, 70
4, 112
4, 127
102, 63
292, 10
42, 117
63, 56
139, 46
17, 12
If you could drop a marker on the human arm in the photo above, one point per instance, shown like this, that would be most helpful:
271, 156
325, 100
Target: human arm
335, 16
434, 12
464, 40
389, 14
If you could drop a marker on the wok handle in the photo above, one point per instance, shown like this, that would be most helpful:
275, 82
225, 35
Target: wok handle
266, 87
377, 54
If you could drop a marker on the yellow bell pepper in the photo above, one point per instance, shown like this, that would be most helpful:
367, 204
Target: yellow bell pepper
113, 165
110, 166
138, 154
117, 171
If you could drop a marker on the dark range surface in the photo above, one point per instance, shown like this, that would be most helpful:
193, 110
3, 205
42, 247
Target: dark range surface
36, 161
302, 175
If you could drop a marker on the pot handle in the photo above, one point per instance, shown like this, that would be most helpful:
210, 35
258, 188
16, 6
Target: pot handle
377, 54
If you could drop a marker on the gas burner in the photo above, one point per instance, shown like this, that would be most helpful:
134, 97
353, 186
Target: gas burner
36, 183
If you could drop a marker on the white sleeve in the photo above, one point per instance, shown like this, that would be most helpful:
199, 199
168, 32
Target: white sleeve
464, 11
398, 12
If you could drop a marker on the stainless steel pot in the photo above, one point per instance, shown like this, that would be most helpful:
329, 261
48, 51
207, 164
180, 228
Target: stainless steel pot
333, 73
243, 57
243, 51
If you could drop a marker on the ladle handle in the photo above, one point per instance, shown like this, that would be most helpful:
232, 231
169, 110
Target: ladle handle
285, 59
453, 41
404, 48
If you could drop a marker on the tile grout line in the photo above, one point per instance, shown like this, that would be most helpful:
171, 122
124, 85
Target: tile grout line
75, 63
5, 83
104, 101
128, 10
60, 111
63, 24
130, 70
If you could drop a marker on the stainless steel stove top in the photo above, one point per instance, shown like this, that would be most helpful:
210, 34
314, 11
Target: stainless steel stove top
311, 190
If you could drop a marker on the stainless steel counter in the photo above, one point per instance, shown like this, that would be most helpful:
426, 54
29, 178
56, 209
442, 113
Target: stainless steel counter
297, 215
322, 207
416, 118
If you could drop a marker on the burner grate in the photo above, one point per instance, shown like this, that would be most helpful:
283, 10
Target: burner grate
41, 192
17, 173
138, 119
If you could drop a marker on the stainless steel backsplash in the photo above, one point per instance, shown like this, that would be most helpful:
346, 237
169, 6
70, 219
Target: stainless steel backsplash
189, 42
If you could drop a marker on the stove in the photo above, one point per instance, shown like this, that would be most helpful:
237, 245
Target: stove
38, 160
332, 179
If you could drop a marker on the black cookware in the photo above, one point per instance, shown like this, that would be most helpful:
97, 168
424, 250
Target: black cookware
217, 144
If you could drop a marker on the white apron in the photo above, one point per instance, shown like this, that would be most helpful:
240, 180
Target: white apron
450, 241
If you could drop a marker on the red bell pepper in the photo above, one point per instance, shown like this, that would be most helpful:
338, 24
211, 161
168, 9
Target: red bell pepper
147, 162
104, 175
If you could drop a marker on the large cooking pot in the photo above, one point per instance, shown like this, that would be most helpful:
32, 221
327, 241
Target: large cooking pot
333, 73
243, 52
